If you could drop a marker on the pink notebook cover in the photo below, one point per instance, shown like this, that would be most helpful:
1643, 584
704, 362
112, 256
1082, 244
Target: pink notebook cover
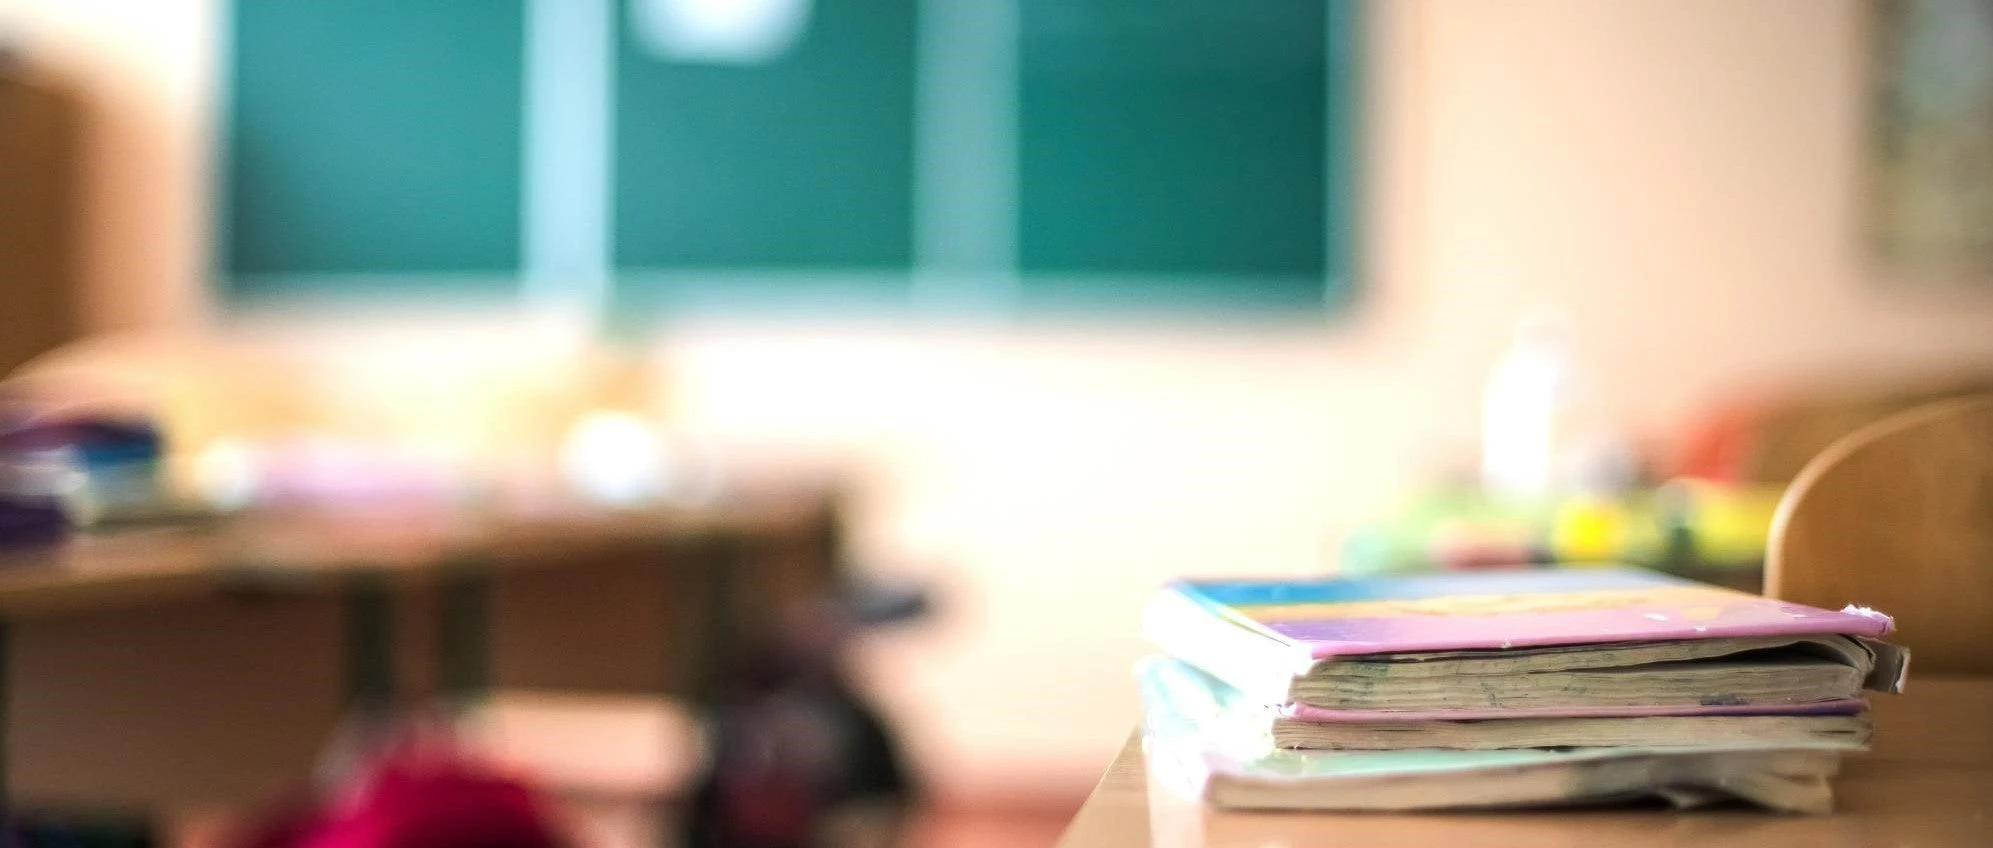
1508, 609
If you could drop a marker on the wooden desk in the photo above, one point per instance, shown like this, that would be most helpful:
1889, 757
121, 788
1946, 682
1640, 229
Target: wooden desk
1927, 782
300, 549
197, 665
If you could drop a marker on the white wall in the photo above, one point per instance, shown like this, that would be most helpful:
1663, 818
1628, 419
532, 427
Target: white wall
1680, 174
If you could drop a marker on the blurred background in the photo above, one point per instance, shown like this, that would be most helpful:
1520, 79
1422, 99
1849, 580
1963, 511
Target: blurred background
1076, 295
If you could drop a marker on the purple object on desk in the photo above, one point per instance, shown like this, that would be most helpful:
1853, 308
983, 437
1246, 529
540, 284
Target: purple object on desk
31, 523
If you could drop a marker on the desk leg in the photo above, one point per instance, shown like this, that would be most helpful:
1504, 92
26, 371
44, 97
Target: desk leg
370, 672
463, 644
709, 645
700, 638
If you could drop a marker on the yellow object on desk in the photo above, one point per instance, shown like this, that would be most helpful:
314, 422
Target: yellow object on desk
1586, 530
1730, 522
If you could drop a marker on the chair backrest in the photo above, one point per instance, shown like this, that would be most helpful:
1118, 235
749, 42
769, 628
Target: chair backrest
1898, 516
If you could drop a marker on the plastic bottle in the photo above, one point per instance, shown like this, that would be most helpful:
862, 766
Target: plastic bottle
1524, 408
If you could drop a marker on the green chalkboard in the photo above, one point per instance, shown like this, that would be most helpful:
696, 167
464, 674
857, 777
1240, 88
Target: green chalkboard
1127, 155
800, 162
375, 142
1180, 148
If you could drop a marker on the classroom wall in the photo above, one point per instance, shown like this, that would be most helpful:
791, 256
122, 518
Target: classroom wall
1680, 175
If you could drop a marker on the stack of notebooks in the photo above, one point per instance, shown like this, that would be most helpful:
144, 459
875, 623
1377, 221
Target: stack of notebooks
1503, 689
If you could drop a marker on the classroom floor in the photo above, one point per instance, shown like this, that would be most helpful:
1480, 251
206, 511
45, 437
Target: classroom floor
629, 825
1006, 828
612, 760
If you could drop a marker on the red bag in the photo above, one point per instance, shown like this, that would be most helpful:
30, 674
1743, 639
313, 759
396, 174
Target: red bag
417, 793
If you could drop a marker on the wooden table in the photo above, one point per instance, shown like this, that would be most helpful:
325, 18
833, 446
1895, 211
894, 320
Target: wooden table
181, 666
1927, 782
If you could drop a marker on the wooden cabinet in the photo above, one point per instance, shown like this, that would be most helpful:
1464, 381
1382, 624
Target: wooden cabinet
40, 126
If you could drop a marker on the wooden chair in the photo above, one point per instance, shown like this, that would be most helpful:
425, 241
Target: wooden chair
1898, 516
